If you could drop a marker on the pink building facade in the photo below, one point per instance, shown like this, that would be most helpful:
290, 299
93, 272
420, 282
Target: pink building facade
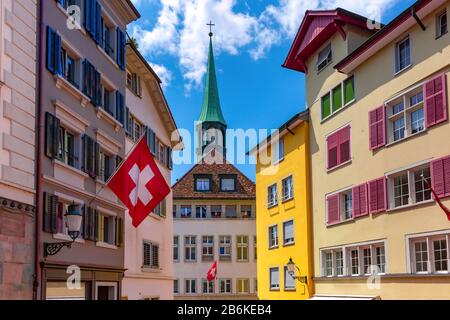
148, 248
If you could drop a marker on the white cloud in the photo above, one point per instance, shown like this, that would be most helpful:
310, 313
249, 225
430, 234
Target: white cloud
163, 73
180, 29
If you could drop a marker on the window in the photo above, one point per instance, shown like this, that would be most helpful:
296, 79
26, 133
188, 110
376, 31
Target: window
338, 146
200, 212
138, 129
107, 105
272, 196
107, 229
441, 24
339, 262
347, 202
176, 286
255, 248
228, 184
225, 248
66, 147
208, 248
246, 211
409, 187
380, 259
216, 211
430, 254
278, 147
151, 255
105, 168
160, 209
174, 211
190, 248
358, 259
207, 286
289, 280
225, 286
341, 96
288, 233
243, 286
107, 31
190, 286
134, 83
354, 262
328, 258
176, 248
203, 184
242, 248
274, 278
186, 211
367, 260
231, 211
273, 237
325, 58
402, 55
70, 67
287, 189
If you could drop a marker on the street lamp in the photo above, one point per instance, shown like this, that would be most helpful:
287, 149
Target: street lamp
291, 270
73, 223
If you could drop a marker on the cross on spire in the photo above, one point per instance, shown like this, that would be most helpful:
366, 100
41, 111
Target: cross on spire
210, 24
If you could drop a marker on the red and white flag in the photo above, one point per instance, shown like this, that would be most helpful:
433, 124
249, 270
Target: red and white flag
139, 184
212, 273
438, 199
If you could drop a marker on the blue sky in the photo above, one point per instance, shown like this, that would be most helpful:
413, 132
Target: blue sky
252, 39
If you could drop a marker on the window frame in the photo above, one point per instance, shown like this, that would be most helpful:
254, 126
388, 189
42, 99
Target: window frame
225, 244
227, 283
210, 287
276, 239
272, 195
397, 66
209, 246
323, 63
271, 286
192, 285
429, 239
290, 196
192, 248
242, 247
176, 246
286, 274
223, 177
439, 16
292, 242
344, 104
242, 281
152, 245
204, 178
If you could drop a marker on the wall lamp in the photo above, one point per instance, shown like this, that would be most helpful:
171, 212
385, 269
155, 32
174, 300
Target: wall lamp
292, 267
73, 223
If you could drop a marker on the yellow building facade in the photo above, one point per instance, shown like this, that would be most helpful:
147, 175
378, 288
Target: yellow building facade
283, 222
378, 103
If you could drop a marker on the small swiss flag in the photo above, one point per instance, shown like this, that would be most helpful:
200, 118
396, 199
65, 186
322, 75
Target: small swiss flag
139, 184
212, 272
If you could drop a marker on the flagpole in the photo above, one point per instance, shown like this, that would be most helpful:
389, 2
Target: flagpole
115, 171
437, 199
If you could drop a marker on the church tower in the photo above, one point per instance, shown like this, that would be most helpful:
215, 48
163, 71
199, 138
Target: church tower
211, 125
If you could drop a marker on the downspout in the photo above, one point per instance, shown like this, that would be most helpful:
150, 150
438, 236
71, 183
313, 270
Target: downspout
419, 22
38, 153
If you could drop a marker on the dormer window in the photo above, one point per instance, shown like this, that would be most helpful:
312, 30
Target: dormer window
228, 183
325, 58
203, 183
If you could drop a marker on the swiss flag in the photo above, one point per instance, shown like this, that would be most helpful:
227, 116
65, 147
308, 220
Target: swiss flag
139, 184
212, 272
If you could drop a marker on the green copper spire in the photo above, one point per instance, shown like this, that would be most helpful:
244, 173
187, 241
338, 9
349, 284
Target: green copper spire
211, 110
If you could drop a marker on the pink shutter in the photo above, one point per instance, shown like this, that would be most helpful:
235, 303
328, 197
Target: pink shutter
435, 96
344, 145
333, 207
332, 143
360, 201
377, 128
440, 176
377, 195
356, 202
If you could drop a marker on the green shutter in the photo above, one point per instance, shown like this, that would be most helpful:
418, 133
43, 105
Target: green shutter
52, 125
53, 213
337, 98
86, 231
349, 89
326, 106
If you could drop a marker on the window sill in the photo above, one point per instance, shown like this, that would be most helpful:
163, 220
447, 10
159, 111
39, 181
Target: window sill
440, 36
106, 245
339, 111
399, 72
409, 206
108, 57
278, 162
65, 237
283, 201
70, 168
289, 244
273, 248
62, 83
406, 138
102, 114
64, 11
340, 166
274, 290
290, 289
270, 206
151, 270
330, 225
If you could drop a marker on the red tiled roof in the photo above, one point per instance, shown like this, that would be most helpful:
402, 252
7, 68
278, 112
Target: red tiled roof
184, 188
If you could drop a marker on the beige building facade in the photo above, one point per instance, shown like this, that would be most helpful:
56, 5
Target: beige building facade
379, 131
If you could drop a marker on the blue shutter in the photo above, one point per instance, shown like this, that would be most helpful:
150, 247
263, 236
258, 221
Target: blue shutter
98, 23
87, 15
50, 56
58, 55
98, 88
120, 108
121, 42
